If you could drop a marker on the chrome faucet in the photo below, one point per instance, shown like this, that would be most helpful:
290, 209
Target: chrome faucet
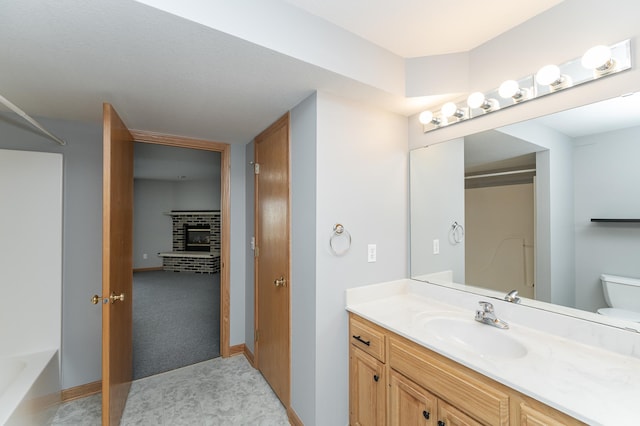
512, 297
486, 315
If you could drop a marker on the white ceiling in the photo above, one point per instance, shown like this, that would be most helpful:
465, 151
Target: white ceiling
63, 58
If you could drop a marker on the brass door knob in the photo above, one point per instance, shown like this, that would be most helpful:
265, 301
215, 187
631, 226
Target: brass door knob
280, 282
114, 298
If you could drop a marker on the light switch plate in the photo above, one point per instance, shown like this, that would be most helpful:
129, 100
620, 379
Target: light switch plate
371, 253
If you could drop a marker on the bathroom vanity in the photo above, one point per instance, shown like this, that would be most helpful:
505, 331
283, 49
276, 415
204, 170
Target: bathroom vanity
418, 357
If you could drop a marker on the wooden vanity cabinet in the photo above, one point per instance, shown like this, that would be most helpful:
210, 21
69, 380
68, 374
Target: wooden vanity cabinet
530, 412
394, 381
412, 405
367, 375
368, 396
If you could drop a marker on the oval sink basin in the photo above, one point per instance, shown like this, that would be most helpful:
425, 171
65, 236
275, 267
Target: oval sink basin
475, 337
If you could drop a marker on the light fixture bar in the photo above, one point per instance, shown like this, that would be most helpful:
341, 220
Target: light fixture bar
598, 62
30, 120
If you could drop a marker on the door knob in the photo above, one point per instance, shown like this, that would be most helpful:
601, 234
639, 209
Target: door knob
280, 282
96, 299
114, 298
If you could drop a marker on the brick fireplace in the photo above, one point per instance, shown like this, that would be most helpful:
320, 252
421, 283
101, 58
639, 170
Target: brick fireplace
196, 242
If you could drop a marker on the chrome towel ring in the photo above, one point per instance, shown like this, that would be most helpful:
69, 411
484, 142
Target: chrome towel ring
457, 233
340, 240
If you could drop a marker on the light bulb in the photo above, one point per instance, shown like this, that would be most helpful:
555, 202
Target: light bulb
548, 74
476, 100
508, 89
425, 117
449, 109
596, 57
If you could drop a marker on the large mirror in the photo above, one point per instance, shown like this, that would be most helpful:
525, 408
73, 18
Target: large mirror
517, 208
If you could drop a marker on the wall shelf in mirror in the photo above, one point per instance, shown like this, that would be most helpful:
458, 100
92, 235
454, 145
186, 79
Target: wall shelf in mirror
612, 220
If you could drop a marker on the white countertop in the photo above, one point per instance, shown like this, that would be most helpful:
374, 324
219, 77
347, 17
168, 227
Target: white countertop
593, 384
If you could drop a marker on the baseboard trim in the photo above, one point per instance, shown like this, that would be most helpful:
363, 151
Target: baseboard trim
81, 391
236, 349
293, 417
155, 268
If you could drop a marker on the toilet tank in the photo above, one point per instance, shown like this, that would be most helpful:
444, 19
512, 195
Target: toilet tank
621, 292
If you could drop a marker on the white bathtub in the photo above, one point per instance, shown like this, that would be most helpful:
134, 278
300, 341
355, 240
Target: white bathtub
29, 389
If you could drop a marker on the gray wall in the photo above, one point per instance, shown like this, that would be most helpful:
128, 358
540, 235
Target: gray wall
437, 194
152, 228
197, 194
607, 179
303, 265
82, 236
361, 182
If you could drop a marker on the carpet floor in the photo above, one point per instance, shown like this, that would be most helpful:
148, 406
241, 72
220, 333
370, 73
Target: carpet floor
176, 320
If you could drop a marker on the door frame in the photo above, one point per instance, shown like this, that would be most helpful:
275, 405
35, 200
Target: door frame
225, 214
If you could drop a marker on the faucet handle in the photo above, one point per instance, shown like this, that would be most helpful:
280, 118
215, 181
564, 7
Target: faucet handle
486, 306
512, 297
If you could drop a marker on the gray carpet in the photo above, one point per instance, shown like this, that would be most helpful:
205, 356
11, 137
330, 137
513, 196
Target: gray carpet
176, 320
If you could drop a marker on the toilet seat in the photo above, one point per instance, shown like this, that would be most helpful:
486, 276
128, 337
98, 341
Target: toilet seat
620, 313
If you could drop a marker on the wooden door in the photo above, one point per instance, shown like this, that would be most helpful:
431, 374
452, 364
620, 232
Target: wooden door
410, 404
117, 224
272, 287
367, 393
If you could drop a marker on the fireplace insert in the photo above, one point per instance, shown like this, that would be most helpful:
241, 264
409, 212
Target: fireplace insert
197, 237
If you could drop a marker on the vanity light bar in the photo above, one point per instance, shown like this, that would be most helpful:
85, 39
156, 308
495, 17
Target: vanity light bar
597, 62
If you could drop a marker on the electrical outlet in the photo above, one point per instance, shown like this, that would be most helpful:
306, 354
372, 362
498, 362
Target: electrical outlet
436, 246
371, 253
145, 256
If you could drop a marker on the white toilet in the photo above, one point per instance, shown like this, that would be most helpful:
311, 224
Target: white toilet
623, 296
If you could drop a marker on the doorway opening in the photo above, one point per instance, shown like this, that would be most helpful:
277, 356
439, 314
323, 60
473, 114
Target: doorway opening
176, 257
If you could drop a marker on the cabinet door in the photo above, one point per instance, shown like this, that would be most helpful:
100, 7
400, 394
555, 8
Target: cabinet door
367, 394
410, 404
450, 416
529, 416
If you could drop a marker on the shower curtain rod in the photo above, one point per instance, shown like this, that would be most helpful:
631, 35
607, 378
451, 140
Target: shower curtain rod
512, 172
31, 121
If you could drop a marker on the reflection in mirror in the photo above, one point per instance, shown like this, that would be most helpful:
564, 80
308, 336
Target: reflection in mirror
526, 195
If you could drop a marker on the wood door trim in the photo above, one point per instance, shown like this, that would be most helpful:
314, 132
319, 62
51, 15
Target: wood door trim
225, 214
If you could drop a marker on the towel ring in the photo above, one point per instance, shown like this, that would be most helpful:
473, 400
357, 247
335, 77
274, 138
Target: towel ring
339, 232
457, 233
